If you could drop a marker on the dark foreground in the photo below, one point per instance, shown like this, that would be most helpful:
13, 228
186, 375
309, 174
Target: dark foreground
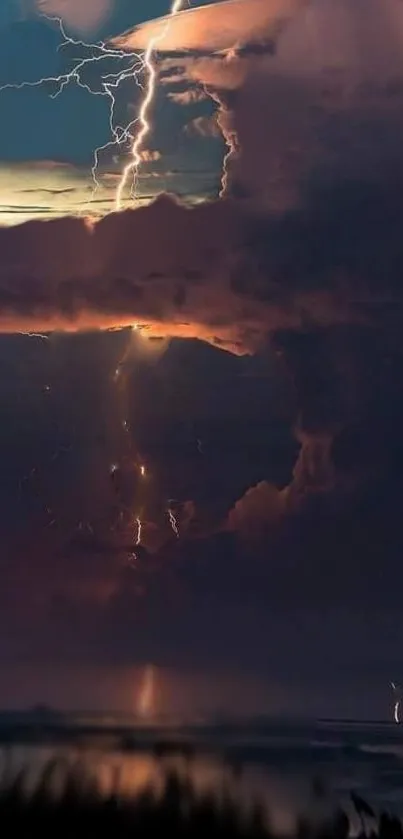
70, 804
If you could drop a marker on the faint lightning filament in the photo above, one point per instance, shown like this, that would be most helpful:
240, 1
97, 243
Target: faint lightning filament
133, 166
139, 524
146, 697
173, 522
396, 707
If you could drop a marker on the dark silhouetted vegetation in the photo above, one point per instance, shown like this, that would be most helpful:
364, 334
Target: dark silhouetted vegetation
68, 803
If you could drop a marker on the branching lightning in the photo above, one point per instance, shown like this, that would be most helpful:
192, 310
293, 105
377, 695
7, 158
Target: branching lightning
128, 459
114, 66
135, 64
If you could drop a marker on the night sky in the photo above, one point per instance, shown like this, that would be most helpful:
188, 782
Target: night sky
224, 355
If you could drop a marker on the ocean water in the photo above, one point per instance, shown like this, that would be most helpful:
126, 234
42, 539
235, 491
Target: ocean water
275, 762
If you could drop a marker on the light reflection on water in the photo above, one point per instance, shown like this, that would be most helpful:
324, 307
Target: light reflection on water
272, 764
132, 774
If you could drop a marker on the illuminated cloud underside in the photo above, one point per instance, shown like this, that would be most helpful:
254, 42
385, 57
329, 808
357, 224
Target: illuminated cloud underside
217, 27
113, 275
203, 280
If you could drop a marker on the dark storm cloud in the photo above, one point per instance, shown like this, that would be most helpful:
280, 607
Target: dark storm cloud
347, 382
218, 271
306, 563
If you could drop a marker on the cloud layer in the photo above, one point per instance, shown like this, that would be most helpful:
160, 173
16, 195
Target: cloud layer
217, 27
216, 271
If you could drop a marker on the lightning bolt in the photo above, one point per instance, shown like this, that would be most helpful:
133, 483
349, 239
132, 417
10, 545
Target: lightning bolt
173, 522
146, 697
396, 707
134, 65
133, 166
139, 524
109, 83
133, 557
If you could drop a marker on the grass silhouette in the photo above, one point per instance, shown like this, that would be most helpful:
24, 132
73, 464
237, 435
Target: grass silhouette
80, 808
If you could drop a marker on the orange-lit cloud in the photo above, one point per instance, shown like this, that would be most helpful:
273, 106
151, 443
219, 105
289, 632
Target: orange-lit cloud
150, 155
217, 27
259, 511
205, 272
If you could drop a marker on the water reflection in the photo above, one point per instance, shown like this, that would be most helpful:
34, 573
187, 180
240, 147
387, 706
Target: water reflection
132, 774
270, 762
